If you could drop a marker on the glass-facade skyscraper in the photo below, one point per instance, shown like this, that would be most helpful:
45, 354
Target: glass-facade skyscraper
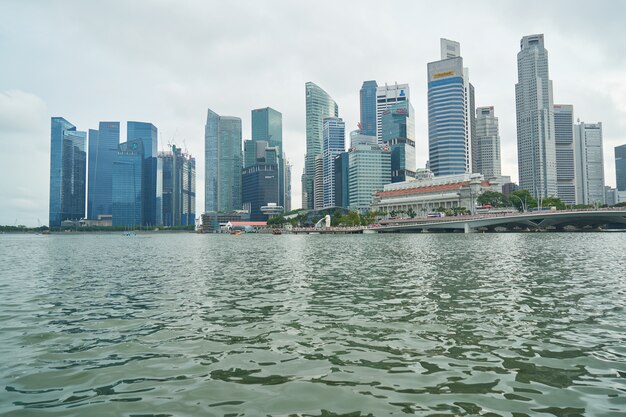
451, 109
334, 143
536, 151
178, 185
127, 184
259, 180
222, 163
388, 96
395, 125
318, 106
564, 150
103, 144
367, 97
620, 167
151, 200
369, 169
68, 172
267, 125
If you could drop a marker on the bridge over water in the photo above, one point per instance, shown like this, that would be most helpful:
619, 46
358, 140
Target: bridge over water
534, 221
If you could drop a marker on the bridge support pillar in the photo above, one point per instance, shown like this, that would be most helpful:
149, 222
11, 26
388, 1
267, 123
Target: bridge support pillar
467, 228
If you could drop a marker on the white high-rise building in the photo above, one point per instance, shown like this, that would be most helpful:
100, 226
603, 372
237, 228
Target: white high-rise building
589, 163
535, 119
387, 96
564, 148
487, 143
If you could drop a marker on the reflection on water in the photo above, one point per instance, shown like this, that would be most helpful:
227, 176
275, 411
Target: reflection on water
426, 324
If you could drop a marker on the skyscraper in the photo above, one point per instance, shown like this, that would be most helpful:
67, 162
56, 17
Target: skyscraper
589, 163
127, 184
334, 143
535, 119
388, 96
177, 170
564, 150
368, 107
147, 134
369, 169
260, 180
620, 167
487, 143
395, 123
318, 105
223, 163
451, 110
68, 171
342, 180
267, 125
103, 145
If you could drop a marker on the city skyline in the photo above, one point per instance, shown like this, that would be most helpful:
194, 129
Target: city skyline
145, 81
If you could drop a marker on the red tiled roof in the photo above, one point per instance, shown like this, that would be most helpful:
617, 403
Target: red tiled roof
257, 224
420, 190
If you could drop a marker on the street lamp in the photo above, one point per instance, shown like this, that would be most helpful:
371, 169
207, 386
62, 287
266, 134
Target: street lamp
521, 201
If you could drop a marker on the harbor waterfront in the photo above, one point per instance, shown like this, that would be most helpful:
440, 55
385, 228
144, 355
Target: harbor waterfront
445, 324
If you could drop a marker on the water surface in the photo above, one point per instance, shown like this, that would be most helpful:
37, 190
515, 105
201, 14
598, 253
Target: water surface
258, 325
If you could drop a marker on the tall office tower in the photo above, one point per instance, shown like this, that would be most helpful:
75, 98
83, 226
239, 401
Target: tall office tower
369, 169
368, 107
620, 167
260, 181
589, 163
388, 96
127, 184
318, 183
318, 105
151, 200
177, 180
288, 168
68, 171
564, 150
342, 184
267, 125
222, 163
102, 151
536, 151
394, 123
451, 109
487, 143
334, 143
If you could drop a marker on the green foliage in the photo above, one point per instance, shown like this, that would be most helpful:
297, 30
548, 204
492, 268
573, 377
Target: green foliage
276, 221
411, 213
519, 196
553, 202
493, 198
368, 218
622, 204
352, 218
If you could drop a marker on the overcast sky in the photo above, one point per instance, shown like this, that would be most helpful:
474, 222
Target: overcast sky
166, 62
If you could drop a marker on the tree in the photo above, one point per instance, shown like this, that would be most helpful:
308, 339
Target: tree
276, 221
368, 218
337, 218
522, 199
493, 198
553, 202
353, 218
411, 213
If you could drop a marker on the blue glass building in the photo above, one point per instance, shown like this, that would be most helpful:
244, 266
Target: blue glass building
177, 183
342, 180
68, 172
267, 125
151, 200
260, 179
448, 127
103, 144
127, 182
395, 122
368, 107
333, 144
222, 163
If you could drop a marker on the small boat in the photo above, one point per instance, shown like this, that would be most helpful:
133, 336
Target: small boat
235, 232
277, 232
